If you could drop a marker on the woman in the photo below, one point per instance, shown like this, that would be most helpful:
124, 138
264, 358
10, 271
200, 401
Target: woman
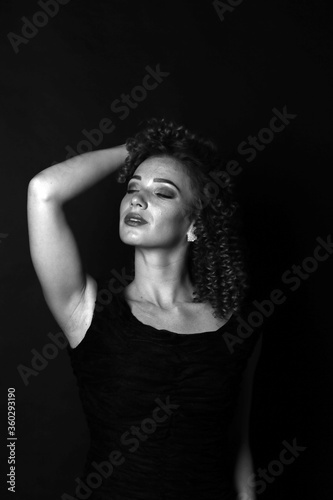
166, 399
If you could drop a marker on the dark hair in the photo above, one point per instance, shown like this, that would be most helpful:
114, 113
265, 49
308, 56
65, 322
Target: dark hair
215, 257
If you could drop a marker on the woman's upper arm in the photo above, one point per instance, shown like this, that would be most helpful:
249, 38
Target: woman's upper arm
56, 258
240, 427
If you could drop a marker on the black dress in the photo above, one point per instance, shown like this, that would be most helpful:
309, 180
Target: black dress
158, 406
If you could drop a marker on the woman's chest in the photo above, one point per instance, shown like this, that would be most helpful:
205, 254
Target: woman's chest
189, 319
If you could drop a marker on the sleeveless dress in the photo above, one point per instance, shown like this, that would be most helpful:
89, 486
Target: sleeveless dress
158, 405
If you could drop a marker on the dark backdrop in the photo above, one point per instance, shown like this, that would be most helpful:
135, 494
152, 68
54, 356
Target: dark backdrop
225, 75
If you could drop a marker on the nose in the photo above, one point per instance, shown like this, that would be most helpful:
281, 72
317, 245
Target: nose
138, 199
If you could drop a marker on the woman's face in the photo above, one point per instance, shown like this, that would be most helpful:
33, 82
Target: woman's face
159, 191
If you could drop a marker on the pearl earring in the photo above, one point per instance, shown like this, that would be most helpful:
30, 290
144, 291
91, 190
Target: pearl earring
190, 235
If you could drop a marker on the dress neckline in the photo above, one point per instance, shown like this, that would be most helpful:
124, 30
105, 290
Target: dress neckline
164, 331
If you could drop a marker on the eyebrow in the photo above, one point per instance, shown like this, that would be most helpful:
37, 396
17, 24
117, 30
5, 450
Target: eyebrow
157, 179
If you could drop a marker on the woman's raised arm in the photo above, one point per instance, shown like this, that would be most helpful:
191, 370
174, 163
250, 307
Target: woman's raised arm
65, 180
69, 292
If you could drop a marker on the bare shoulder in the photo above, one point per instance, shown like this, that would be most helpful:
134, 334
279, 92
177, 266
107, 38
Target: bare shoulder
82, 316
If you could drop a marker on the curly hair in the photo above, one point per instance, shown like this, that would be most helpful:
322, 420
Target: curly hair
215, 258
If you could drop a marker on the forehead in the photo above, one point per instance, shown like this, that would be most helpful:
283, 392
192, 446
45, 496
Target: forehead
162, 164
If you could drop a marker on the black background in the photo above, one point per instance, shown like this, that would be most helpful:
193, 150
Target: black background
225, 77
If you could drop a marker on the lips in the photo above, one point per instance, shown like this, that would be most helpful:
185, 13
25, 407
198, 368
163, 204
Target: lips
134, 217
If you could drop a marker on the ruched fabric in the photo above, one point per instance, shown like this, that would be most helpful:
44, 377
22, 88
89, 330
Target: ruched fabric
158, 406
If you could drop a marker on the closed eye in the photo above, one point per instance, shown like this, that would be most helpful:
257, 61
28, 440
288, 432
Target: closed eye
164, 195
158, 194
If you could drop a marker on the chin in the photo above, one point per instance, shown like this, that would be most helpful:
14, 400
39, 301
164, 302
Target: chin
127, 239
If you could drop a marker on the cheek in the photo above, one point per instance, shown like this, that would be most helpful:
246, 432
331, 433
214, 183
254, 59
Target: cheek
170, 219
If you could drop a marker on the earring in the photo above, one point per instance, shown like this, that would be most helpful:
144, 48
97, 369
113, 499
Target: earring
190, 235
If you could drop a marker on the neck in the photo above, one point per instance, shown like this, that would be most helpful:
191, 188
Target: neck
162, 277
